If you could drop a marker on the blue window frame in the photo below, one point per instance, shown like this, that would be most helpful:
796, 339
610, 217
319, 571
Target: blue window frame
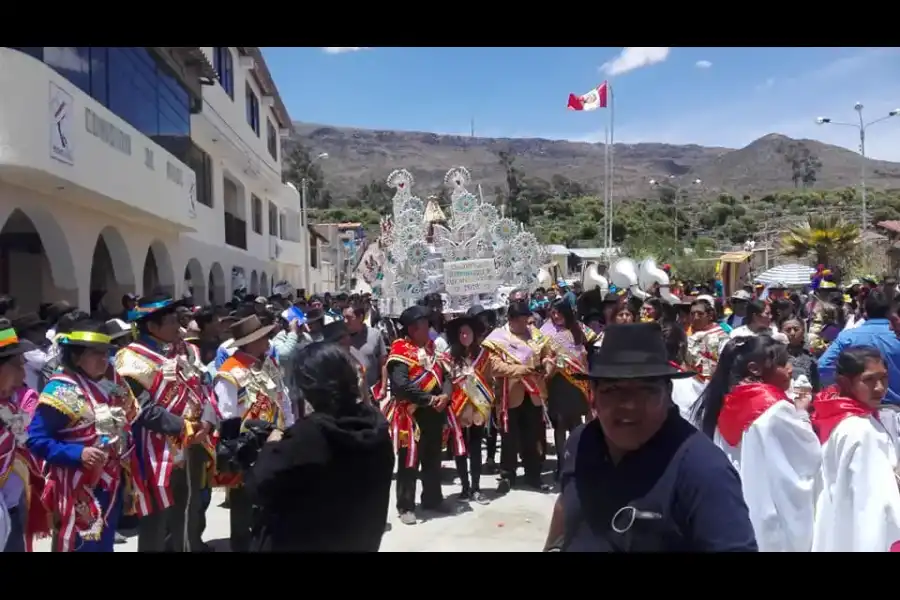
223, 63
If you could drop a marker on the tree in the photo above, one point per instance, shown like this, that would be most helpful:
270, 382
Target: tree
804, 164
825, 238
297, 166
376, 195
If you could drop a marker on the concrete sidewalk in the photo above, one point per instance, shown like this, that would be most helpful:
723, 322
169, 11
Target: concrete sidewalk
516, 522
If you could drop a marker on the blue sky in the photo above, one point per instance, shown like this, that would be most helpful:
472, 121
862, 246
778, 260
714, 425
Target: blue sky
711, 96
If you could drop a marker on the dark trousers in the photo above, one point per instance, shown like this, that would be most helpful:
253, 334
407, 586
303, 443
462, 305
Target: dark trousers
240, 517
431, 424
491, 443
471, 464
16, 540
164, 529
562, 427
525, 424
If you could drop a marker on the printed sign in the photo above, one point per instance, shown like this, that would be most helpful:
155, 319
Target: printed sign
61, 137
470, 277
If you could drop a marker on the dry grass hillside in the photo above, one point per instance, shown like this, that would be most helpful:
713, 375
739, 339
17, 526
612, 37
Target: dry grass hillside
357, 156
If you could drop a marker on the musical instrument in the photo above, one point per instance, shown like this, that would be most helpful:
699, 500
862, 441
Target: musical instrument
649, 274
624, 275
591, 278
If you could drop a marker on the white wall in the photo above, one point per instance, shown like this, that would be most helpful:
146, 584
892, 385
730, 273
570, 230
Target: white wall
110, 179
223, 131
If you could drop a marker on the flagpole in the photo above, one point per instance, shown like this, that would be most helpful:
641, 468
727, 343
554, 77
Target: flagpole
612, 151
606, 186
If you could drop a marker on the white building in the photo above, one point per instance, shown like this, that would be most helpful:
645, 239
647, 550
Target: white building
129, 169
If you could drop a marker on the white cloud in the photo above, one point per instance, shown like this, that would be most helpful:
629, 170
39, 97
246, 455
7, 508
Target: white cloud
343, 49
703, 64
634, 58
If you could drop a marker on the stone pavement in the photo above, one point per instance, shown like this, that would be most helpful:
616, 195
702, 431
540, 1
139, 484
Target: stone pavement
516, 522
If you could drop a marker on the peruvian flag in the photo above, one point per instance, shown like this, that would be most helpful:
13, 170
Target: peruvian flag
594, 99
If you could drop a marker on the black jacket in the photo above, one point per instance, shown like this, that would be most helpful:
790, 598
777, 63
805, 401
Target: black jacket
325, 486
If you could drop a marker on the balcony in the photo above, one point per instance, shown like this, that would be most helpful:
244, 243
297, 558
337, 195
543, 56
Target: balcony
56, 139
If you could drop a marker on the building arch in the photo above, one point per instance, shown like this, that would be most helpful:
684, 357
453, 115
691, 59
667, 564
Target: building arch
158, 274
264, 285
195, 282
216, 284
254, 283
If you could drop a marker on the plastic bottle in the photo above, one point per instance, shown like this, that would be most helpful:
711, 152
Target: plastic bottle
802, 388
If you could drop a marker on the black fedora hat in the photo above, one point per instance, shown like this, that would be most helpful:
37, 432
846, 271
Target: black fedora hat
10, 345
27, 322
633, 351
87, 333
334, 331
413, 314
453, 327
314, 314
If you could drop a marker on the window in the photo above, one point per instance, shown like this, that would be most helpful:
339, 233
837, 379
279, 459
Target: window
273, 219
256, 214
133, 85
282, 225
252, 109
223, 63
72, 63
313, 250
272, 139
201, 163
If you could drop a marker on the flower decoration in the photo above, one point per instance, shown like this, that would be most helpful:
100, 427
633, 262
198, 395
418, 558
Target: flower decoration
417, 254
504, 230
466, 203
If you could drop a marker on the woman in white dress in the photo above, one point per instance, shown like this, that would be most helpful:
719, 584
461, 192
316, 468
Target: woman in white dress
768, 439
858, 508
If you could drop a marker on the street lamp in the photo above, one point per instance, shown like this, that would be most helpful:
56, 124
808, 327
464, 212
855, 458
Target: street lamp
303, 209
678, 190
862, 126
304, 184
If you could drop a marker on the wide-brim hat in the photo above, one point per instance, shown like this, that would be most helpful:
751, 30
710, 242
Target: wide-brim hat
314, 314
453, 327
334, 331
27, 322
633, 351
149, 306
117, 329
413, 314
58, 309
249, 330
10, 345
96, 340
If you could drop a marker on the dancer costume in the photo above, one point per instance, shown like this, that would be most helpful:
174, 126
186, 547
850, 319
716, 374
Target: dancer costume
74, 413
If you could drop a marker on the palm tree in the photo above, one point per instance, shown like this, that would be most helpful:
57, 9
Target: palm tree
827, 238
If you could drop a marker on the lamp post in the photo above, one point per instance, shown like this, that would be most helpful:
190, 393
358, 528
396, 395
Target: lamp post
861, 126
303, 211
678, 190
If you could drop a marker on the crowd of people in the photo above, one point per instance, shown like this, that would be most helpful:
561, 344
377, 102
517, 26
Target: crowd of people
764, 421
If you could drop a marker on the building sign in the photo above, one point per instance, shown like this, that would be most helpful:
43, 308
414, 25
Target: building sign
61, 137
106, 132
470, 277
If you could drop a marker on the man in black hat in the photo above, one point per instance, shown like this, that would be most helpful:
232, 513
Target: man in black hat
249, 387
639, 478
420, 393
175, 421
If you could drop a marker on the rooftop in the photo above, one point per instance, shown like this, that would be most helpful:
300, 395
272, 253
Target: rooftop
267, 85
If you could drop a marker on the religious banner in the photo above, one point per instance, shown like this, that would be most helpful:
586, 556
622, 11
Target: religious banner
470, 277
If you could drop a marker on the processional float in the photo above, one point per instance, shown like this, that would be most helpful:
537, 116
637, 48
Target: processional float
477, 257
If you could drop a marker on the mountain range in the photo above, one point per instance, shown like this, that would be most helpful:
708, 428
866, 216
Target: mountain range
357, 156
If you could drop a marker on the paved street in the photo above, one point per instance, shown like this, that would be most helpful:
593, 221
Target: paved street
516, 522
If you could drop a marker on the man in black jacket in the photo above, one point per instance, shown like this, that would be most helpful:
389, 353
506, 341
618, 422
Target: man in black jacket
420, 393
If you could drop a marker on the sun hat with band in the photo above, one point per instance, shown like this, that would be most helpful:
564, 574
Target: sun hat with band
453, 327
158, 304
9, 340
633, 351
248, 330
87, 334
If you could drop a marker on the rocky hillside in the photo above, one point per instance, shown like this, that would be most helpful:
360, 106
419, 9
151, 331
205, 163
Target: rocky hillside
357, 156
